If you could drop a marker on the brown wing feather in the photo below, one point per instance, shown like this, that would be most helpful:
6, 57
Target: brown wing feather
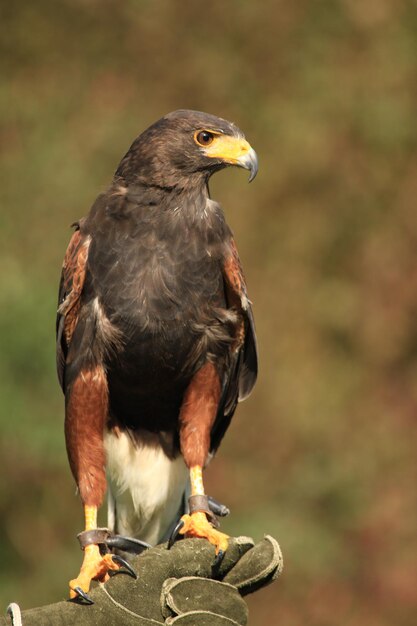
243, 366
70, 289
237, 296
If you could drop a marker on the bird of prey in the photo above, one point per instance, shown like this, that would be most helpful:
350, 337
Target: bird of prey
155, 337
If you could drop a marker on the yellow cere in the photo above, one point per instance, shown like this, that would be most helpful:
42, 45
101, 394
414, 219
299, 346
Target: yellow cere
229, 149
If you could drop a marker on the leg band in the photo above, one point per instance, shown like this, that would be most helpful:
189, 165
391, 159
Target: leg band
104, 537
200, 503
96, 535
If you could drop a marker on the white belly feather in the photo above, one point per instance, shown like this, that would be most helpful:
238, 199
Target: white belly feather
146, 488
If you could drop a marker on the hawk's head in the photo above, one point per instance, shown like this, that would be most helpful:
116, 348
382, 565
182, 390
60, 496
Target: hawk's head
186, 145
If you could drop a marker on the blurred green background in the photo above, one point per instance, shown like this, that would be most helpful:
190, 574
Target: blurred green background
323, 454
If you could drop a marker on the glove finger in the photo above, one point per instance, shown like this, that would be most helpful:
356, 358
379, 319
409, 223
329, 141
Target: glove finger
186, 595
238, 546
202, 619
257, 567
195, 557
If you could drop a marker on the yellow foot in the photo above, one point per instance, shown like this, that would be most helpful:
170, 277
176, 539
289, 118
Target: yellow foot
94, 567
197, 525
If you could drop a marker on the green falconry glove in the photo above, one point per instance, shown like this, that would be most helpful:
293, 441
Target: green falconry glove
174, 587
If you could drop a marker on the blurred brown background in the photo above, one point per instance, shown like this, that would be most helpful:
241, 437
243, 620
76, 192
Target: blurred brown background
323, 455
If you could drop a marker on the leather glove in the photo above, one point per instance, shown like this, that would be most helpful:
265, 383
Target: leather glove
174, 587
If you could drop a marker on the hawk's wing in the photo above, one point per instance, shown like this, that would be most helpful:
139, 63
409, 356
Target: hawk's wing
242, 372
69, 300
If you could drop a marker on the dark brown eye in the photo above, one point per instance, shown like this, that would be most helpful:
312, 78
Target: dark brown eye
204, 138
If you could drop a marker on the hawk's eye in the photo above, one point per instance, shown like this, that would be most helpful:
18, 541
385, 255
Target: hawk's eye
204, 138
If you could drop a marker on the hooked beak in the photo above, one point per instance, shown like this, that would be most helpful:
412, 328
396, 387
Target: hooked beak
234, 151
250, 162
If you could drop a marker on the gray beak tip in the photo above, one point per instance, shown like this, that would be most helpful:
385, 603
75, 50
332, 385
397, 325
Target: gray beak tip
250, 162
252, 175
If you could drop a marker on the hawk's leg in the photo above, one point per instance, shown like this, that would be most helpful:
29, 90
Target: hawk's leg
95, 566
197, 416
86, 412
200, 522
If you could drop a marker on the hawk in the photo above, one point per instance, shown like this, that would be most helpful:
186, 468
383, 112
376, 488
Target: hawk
155, 337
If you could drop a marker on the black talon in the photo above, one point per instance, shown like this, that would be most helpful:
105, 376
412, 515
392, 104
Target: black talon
82, 594
218, 560
175, 533
121, 561
217, 507
127, 544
